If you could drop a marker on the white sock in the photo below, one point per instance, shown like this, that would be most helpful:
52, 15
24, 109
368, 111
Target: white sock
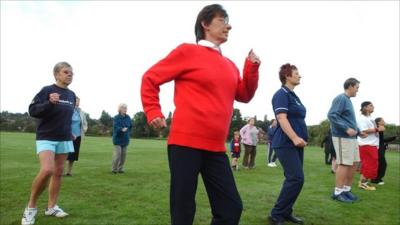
346, 188
338, 190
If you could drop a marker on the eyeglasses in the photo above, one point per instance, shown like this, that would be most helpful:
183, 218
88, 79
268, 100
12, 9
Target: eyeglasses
224, 20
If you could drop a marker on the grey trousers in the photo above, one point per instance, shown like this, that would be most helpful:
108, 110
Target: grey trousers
119, 157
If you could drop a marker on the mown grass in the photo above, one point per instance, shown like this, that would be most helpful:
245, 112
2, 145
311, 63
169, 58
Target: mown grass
141, 196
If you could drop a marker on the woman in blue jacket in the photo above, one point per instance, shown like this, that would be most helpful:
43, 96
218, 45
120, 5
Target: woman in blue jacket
122, 126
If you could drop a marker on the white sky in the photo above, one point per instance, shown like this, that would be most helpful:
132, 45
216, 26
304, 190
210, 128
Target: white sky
111, 44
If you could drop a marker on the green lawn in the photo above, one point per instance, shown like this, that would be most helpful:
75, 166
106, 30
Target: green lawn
140, 196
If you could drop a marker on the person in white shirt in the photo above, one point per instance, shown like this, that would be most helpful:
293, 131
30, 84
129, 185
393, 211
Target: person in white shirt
368, 146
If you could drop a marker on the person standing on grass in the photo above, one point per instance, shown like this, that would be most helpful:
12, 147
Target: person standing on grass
271, 154
383, 143
235, 150
206, 85
79, 127
249, 136
122, 126
53, 106
344, 137
368, 146
329, 151
289, 141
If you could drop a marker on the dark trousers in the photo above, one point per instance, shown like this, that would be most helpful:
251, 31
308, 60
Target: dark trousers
185, 165
291, 160
328, 157
74, 156
381, 165
249, 157
270, 153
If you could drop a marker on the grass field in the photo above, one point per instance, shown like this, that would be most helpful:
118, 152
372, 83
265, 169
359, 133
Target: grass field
140, 196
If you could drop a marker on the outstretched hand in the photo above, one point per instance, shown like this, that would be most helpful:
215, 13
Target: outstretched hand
253, 57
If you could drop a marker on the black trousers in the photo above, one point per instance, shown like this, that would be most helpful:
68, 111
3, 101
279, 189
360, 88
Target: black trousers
381, 165
185, 165
74, 156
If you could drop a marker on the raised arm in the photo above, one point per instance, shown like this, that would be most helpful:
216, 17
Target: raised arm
248, 85
42, 103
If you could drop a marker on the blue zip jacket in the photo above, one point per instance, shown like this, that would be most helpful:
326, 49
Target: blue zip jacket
120, 137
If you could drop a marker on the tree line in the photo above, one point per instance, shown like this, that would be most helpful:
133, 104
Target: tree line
22, 122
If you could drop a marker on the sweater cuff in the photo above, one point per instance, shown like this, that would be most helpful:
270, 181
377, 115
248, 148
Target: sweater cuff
251, 68
152, 114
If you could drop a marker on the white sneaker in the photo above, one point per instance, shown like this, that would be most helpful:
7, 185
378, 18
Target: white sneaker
272, 164
28, 218
56, 211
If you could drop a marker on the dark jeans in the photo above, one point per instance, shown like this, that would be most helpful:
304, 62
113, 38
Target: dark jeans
271, 154
185, 164
291, 160
249, 157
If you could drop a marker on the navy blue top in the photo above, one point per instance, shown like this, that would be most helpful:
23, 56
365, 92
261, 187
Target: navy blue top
286, 101
271, 132
55, 120
120, 137
341, 116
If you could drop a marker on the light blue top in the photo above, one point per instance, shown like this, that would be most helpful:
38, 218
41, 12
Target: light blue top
342, 116
76, 123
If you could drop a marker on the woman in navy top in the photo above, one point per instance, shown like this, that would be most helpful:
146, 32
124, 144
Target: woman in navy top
289, 141
53, 107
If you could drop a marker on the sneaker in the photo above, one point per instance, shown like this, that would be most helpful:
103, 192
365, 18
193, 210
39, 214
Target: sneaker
55, 211
350, 195
341, 198
272, 164
381, 183
366, 187
28, 218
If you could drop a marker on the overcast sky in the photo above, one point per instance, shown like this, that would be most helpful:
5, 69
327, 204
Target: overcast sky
111, 44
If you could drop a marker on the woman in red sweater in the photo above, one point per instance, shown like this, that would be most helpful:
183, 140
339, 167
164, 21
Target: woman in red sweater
206, 85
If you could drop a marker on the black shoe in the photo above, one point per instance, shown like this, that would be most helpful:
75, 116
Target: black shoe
114, 172
375, 181
274, 221
294, 219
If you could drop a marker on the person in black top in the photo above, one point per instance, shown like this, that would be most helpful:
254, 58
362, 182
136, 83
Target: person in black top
53, 106
329, 151
383, 143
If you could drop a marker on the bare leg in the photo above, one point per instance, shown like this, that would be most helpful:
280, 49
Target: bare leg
40, 182
334, 165
56, 178
69, 167
342, 175
350, 174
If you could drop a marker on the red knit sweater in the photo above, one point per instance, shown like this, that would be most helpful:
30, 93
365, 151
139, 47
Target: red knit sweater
206, 84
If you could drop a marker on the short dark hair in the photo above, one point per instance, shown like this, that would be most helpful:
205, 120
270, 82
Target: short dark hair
286, 71
206, 15
351, 82
378, 119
